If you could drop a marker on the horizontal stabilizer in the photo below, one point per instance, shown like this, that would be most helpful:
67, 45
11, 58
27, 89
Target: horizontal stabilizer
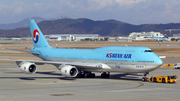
23, 51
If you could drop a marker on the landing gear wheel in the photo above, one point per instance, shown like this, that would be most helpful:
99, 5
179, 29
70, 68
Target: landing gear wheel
144, 79
91, 75
81, 75
104, 75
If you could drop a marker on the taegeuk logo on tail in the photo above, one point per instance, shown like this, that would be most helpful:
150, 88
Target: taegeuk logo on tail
36, 36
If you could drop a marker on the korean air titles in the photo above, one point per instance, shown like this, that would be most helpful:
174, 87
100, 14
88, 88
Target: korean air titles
114, 55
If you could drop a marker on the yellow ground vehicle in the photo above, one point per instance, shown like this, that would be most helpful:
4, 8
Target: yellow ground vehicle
162, 79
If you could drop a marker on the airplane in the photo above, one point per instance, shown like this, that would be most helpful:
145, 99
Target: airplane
82, 62
159, 39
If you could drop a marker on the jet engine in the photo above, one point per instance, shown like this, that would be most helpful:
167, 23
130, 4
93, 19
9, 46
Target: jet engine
69, 71
28, 68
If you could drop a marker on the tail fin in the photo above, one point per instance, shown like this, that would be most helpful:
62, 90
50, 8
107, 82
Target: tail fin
37, 36
152, 35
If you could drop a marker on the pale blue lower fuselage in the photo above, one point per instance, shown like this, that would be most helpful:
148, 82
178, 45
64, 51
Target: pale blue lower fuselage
116, 58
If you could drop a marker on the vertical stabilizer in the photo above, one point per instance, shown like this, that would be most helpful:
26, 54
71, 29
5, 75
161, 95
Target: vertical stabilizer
152, 36
37, 36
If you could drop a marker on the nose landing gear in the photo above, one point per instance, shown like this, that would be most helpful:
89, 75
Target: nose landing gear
144, 78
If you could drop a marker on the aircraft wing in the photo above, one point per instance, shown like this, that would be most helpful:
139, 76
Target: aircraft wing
77, 64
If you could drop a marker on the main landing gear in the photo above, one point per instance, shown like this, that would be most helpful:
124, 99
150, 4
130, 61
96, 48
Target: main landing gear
81, 75
92, 75
144, 78
86, 74
104, 75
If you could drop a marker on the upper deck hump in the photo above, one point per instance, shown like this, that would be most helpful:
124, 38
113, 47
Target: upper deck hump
122, 48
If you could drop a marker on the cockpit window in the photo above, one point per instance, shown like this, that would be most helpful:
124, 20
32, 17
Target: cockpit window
148, 51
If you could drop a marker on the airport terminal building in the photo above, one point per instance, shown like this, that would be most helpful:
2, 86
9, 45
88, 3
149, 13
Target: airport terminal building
70, 37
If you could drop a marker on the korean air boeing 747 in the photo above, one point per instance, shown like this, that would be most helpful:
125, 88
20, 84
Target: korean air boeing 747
82, 62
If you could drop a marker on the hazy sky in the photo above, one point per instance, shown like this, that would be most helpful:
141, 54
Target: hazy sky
130, 11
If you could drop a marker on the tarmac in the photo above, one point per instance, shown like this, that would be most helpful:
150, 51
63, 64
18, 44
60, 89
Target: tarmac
48, 84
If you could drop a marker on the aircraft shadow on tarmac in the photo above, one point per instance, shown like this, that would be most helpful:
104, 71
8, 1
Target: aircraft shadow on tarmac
35, 78
45, 73
125, 76
49, 73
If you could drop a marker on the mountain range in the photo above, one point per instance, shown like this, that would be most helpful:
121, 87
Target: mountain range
24, 23
86, 26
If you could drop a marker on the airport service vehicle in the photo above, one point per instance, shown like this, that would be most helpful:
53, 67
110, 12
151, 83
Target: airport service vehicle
82, 62
162, 79
177, 66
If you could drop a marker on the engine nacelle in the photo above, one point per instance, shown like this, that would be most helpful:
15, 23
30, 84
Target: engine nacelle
28, 68
69, 71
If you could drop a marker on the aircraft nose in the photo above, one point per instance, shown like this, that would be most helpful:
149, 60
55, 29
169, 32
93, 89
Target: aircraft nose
159, 61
